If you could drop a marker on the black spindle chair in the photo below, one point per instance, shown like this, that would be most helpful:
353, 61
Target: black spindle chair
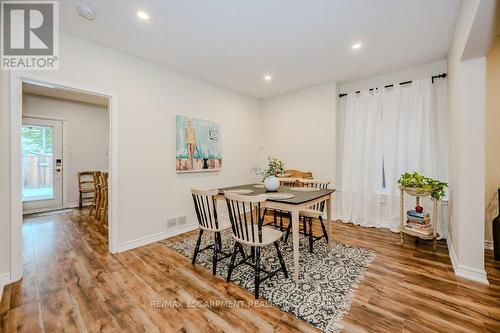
246, 215
205, 206
314, 212
280, 214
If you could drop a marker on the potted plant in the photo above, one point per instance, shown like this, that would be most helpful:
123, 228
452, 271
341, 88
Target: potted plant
274, 167
419, 185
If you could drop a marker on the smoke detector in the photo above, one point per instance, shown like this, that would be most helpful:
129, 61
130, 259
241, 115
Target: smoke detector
85, 11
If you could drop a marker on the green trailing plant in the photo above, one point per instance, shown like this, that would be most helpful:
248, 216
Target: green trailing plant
275, 166
422, 184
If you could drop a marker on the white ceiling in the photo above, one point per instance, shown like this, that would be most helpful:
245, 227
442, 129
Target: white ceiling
299, 42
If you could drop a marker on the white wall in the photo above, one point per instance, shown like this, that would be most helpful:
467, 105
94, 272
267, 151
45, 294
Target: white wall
147, 97
492, 137
299, 128
87, 127
4, 177
466, 96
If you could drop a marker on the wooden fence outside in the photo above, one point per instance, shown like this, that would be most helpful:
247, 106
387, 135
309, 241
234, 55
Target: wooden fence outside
37, 171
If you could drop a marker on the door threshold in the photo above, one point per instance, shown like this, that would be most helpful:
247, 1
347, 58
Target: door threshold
43, 210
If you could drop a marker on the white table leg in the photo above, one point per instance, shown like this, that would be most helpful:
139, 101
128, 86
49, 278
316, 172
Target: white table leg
329, 220
295, 237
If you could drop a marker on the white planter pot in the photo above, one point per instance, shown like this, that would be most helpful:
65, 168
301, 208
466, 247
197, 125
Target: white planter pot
271, 183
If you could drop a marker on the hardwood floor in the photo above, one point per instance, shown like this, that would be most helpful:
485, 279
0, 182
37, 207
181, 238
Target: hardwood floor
71, 283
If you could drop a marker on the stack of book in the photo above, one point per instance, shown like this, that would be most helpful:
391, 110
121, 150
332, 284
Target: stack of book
418, 222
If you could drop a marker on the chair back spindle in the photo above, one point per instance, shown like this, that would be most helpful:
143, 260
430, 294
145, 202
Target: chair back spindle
205, 207
246, 216
292, 182
321, 184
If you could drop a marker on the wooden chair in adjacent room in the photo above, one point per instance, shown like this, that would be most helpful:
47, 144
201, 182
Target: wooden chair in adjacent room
102, 207
97, 193
246, 216
205, 207
312, 214
86, 187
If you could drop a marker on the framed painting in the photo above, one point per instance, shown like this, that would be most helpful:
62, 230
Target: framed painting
198, 145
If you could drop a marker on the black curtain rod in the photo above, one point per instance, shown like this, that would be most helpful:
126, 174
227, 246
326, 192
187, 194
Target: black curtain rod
440, 76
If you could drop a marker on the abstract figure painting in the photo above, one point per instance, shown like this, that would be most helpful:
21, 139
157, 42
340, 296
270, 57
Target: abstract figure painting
197, 145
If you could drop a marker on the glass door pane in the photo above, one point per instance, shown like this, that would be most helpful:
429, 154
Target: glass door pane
38, 151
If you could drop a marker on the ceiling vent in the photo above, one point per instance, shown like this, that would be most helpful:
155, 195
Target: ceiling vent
85, 11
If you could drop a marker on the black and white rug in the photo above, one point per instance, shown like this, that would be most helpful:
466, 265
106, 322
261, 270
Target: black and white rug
328, 279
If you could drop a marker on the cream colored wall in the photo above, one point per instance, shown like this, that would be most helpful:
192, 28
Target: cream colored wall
492, 135
147, 98
299, 128
466, 103
4, 174
87, 128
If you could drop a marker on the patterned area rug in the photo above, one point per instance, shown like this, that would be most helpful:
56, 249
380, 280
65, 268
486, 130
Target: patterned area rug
328, 280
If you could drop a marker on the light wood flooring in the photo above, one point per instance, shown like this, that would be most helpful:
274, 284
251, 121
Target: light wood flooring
71, 283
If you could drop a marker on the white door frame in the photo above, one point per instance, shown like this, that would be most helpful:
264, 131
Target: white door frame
16, 210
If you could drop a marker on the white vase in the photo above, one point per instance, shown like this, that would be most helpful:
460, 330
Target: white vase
271, 183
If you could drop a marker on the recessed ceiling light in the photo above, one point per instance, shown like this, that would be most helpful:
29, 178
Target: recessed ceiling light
85, 12
143, 15
268, 78
356, 46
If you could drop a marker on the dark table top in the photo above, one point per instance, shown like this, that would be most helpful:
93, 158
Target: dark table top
299, 197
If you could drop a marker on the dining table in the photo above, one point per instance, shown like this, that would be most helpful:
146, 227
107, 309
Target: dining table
298, 199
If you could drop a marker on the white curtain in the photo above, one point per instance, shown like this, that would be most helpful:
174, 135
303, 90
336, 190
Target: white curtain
385, 133
362, 159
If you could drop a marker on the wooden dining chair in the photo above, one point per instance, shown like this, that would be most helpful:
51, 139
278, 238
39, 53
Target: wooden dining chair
312, 213
205, 207
299, 174
288, 181
86, 187
96, 175
102, 206
246, 217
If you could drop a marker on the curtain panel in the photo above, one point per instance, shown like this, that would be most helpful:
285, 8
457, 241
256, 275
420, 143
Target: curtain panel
381, 134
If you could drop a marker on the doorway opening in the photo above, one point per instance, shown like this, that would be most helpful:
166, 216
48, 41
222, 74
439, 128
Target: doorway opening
58, 131
64, 140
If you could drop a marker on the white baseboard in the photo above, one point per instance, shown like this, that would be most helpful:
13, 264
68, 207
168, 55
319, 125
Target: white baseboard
4, 280
154, 238
478, 275
488, 245
451, 251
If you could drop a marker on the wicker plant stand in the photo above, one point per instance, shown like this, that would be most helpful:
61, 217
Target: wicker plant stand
404, 230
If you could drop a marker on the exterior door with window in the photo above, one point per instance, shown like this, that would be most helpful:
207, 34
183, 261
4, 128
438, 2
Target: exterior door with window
42, 166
